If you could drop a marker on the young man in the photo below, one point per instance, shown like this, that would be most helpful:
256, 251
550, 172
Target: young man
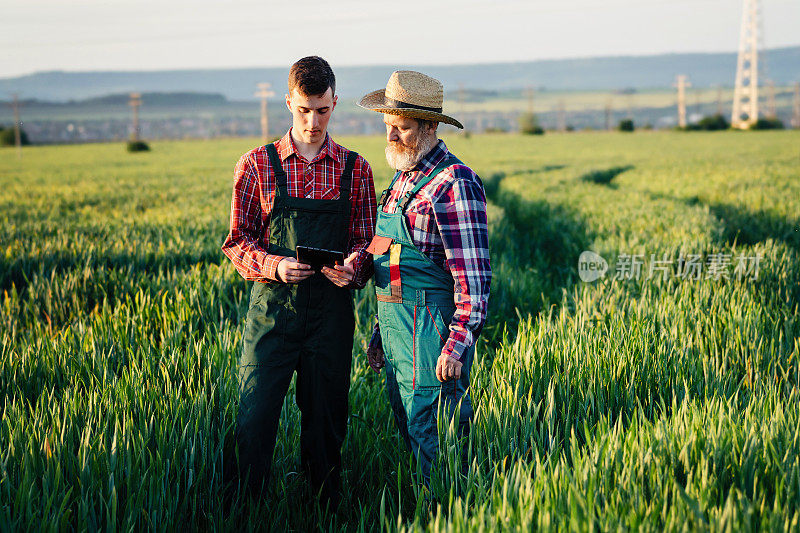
302, 190
432, 270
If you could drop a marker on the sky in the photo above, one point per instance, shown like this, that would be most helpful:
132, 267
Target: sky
81, 35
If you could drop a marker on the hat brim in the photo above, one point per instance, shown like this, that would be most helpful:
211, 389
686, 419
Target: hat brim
374, 101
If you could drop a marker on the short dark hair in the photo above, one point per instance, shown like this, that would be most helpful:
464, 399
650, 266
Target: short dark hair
311, 76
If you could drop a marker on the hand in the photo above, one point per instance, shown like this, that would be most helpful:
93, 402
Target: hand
375, 357
290, 271
448, 368
341, 275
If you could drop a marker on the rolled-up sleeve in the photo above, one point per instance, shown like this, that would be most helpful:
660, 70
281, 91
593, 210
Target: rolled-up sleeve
243, 243
362, 222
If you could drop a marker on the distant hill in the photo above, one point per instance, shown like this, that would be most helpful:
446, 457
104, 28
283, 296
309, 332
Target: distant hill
161, 99
153, 99
599, 73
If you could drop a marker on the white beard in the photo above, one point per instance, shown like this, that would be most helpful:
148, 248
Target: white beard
408, 158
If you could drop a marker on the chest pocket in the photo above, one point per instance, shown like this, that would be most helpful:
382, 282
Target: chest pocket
330, 193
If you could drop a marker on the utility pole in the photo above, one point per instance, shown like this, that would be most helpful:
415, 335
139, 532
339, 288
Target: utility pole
745, 96
264, 93
698, 104
17, 132
562, 116
529, 94
135, 101
796, 106
682, 83
629, 102
772, 109
609, 114
461, 104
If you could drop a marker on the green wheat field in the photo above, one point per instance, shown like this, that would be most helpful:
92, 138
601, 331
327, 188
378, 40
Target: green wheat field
645, 402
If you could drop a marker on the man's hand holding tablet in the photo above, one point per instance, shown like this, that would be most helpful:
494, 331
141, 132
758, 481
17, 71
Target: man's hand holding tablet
291, 271
311, 260
341, 275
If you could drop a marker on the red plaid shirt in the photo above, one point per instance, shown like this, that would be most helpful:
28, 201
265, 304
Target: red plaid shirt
254, 193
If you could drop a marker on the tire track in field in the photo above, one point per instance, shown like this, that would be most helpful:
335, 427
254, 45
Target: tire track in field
534, 248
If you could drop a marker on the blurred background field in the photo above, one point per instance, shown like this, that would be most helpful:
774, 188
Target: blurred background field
633, 403
565, 94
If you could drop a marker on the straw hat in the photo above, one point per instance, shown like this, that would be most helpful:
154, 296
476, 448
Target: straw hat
410, 94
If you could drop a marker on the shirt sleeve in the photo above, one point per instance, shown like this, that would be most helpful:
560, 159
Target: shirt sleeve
242, 245
362, 222
460, 214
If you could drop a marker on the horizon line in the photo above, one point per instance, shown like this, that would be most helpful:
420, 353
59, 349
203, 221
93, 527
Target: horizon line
401, 64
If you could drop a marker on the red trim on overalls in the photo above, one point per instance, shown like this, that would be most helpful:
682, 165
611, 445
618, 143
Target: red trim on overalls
434, 323
414, 352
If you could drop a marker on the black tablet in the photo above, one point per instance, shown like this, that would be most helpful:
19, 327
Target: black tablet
319, 257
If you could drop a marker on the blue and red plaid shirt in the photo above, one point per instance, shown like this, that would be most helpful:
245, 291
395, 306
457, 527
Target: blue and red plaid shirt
447, 222
254, 194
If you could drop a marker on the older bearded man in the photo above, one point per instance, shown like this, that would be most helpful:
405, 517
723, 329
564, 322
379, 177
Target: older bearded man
432, 270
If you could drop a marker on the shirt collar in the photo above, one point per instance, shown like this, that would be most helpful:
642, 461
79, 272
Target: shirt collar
329, 148
432, 158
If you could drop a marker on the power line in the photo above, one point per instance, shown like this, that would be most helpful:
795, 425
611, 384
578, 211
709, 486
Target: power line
523, 7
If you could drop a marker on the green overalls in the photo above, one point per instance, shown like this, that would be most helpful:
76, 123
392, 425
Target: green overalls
415, 307
305, 327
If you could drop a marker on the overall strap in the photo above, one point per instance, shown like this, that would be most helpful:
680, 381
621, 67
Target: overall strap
344, 195
281, 186
347, 177
407, 197
385, 194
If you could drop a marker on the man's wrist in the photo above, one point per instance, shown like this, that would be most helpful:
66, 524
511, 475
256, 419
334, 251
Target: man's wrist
453, 349
271, 267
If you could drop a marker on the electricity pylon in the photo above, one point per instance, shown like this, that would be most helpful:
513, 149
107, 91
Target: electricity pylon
135, 102
17, 132
461, 99
561, 112
609, 111
772, 108
745, 96
529, 95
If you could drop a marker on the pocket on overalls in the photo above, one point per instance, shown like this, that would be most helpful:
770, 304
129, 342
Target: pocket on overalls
264, 325
431, 335
397, 348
